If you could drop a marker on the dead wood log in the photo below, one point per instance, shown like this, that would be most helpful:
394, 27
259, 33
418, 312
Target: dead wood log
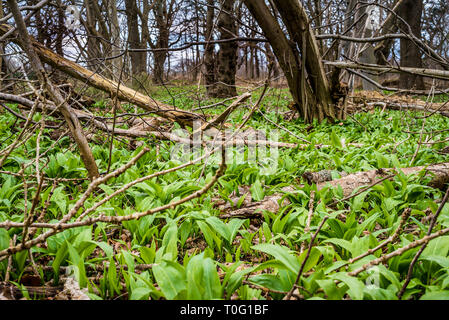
431, 73
111, 87
439, 174
14, 292
414, 107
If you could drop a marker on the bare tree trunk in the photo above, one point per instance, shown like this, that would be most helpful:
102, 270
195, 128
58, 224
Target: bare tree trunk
308, 84
256, 62
160, 13
93, 44
138, 59
411, 12
227, 56
272, 63
60, 30
209, 59
383, 48
115, 39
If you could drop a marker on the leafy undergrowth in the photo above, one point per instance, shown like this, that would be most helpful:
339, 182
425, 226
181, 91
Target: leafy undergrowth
189, 252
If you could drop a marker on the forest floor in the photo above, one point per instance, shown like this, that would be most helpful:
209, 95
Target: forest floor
199, 249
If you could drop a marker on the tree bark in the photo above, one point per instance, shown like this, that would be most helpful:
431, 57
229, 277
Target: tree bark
227, 55
299, 57
138, 59
209, 59
93, 44
411, 12
115, 40
383, 48
438, 172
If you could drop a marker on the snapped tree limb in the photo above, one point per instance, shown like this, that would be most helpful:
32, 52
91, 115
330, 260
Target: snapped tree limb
95, 80
438, 172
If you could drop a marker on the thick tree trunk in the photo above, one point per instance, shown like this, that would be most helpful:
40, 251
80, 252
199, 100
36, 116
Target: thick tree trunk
138, 59
301, 62
160, 13
227, 55
411, 12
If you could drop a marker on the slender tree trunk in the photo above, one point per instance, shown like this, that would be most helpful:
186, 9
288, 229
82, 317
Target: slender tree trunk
61, 29
227, 56
272, 63
93, 44
138, 59
209, 59
160, 12
115, 39
411, 12
256, 62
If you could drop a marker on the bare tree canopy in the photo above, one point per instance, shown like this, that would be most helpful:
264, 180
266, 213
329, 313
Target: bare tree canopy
224, 150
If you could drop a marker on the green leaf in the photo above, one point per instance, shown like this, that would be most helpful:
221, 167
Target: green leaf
107, 249
233, 226
203, 281
129, 259
282, 254
436, 295
313, 259
60, 257
209, 235
170, 240
331, 290
171, 278
219, 226
437, 247
266, 232
114, 285
269, 281
257, 192
235, 281
78, 264
140, 293
345, 244
382, 161
147, 254
358, 201
4, 239
335, 141
442, 261
356, 286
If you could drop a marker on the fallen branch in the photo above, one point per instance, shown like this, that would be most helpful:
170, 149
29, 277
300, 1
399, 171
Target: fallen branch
95, 80
431, 73
438, 172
